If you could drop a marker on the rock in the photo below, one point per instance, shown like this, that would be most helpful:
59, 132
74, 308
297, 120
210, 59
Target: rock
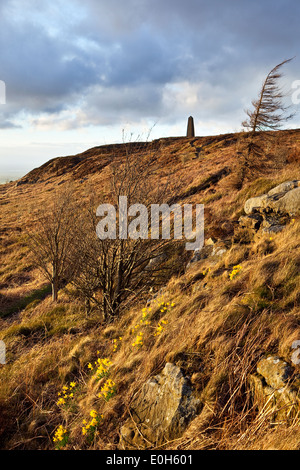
199, 255
255, 203
162, 411
272, 211
289, 203
284, 187
283, 199
275, 371
271, 221
218, 252
274, 396
251, 221
210, 241
274, 229
212, 248
155, 262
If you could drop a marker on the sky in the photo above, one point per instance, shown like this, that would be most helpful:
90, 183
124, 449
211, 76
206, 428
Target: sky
81, 74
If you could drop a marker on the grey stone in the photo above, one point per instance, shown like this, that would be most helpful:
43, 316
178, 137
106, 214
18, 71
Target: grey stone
156, 261
218, 251
255, 203
272, 391
275, 371
289, 203
283, 199
162, 411
273, 229
252, 221
199, 255
284, 187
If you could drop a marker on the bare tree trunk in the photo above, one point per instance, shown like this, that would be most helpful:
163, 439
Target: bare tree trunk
87, 304
54, 286
55, 282
52, 240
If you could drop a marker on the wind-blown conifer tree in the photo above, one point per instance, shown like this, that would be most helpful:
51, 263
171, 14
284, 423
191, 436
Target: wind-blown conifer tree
268, 114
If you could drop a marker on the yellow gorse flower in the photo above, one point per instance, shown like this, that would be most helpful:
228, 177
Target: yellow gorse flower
66, 393
102, 367
91, 427
116, 343
108, 390
160, 327
143, 321
61, 401
235, 271
61, 436
139, 340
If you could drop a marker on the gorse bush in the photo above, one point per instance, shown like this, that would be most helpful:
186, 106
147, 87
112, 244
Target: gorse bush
235, 272
61, 437
66, 396
139, 340
108, 390
101, 368
90, 428
160, 327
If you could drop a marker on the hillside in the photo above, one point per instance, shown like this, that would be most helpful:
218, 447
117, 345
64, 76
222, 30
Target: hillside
215, 354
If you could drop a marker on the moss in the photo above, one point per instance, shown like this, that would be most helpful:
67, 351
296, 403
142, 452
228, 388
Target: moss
27, 329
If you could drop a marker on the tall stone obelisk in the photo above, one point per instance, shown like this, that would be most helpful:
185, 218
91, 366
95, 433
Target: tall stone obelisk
190, 128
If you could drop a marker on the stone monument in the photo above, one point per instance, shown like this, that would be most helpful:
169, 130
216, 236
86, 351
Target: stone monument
190, 128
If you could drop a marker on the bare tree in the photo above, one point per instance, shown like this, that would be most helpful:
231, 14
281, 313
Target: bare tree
112, 271
52, 240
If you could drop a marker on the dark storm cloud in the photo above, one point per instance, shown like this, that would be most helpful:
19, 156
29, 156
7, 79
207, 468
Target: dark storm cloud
116, 60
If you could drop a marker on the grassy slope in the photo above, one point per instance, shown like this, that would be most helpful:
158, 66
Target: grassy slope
230, 324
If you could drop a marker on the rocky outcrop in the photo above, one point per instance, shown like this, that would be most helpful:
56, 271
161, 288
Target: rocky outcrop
162, 411
213, 249
283, 199
273, 390
272, 211
275, 371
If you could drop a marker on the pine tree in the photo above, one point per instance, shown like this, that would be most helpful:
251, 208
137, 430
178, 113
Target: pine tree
268, 114
269, 110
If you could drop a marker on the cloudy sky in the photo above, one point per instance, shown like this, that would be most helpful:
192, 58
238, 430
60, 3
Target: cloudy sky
80, 74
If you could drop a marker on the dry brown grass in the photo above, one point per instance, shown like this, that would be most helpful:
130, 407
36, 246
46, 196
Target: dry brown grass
216, 332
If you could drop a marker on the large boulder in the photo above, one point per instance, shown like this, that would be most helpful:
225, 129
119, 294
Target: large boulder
283, 199
256, 203
162, 411
289, 203
284, 187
